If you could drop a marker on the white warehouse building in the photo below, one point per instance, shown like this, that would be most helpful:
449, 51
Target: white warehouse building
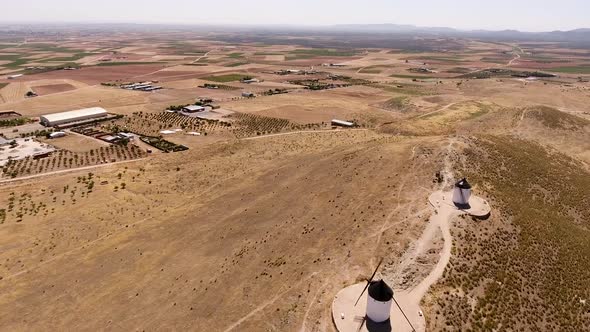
56, 119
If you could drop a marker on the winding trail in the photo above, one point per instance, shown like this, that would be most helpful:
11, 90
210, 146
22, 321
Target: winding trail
444, 108
516, 58
266, 304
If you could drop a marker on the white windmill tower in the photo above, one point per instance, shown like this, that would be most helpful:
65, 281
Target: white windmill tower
462, 193
379, 301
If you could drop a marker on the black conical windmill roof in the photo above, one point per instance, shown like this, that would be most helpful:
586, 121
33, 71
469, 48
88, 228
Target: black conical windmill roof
380, 291
463, 184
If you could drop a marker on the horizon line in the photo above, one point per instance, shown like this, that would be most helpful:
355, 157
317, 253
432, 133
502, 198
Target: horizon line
291, 25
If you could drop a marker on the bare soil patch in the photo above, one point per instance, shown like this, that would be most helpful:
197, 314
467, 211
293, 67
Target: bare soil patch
76, 143
53, 88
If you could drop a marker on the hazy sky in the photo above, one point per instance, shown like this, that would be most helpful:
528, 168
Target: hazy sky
532, 15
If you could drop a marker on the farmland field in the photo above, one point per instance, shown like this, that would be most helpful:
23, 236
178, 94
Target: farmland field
225, 78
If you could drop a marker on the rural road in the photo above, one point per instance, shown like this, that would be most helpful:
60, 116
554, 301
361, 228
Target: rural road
202, 56
516, 57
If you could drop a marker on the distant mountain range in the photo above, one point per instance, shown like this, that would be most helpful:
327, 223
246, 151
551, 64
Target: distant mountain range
571, 35
577, 37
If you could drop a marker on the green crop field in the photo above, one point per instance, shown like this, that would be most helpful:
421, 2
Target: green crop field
411, 76
235, 55
267, 53
16, 60
236, 64
451, 59
74, 57
584, 69
372, 69
225, 78
51, 48
324, 52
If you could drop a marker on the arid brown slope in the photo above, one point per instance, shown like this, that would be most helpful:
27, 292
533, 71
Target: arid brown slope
564, 132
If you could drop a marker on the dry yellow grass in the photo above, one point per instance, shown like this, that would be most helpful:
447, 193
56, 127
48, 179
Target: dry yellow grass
14, 92
76, 142
243, 223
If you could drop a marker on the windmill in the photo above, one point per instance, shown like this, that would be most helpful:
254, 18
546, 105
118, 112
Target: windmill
462, 193
379, 301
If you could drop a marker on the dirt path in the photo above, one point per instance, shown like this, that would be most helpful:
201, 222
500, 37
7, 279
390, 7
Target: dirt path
522, 116
440, 219
313, 299
444, 212
516, 57
266, 304
202, 56
444, 108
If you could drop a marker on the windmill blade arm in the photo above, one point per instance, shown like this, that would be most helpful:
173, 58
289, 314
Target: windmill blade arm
363, 292
369, 281
376, 269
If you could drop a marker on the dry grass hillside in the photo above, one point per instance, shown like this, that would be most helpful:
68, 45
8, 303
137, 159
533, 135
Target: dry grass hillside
526, 267
565, 132
249, 234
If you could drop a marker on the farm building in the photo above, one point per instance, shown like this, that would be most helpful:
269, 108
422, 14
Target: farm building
128, 136
342, 123
193, 109
57, 134
55, 119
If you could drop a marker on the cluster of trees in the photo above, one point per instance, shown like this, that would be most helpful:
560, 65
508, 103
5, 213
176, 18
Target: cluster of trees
13, 122
150, 124
247, 125
63, 159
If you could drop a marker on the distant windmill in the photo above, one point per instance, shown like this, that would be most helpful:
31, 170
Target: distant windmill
379, 300
462, 193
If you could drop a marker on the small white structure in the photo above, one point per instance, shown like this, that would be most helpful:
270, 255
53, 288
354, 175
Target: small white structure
248, 95
251, 80
379, 301
342, 123
57, 134
462, 193
55, 119
11, 77
124, 135
193, 109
